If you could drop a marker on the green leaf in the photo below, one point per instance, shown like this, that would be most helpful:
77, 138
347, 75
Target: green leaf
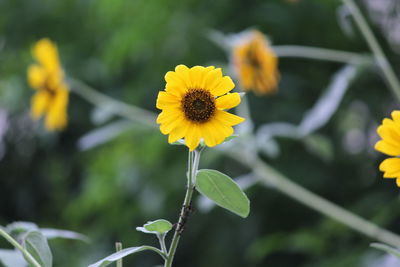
221, 189
11, 258
16, 228
119, 255
387, 249
160, 226
36, 244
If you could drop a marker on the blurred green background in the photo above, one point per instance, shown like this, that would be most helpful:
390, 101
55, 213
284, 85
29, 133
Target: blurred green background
123, 49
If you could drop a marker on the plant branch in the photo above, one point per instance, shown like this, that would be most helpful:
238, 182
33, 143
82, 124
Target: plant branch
28, 257
193, 162
122, 109
319, 54
376, 49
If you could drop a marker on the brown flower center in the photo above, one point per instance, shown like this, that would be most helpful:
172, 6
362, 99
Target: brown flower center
252, 58
198, 105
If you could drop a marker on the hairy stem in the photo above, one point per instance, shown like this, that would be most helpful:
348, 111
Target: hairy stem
193, 163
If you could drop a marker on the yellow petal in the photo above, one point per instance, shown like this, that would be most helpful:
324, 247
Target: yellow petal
56, 118
192, 136
178, 132
167, 100
208, 134
226, 85
175, 84
390, 167
228, 118
183, 72
45, 51
213, 79
166, 128
39, 104
197, 76
168, 115
390, 133
386, 148
396, 116
398, 182
36, 76
228, 101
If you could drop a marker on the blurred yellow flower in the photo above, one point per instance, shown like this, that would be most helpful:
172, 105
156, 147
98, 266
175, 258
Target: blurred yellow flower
256, 64
389, 131
193, 105
47, 78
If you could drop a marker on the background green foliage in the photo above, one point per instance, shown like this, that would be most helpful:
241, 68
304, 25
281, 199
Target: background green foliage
124, 48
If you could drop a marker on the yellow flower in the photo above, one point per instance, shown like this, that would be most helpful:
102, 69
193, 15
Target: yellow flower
193, 105
256, 64
47, 78
389, 131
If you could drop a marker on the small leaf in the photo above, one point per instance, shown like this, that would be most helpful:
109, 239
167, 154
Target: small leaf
36, 244
156, 227
386, 248
221, 189
16, 228
117, 256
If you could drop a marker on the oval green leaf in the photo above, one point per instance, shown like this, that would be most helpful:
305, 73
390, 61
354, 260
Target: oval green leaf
160, 226
36, 244
221, 189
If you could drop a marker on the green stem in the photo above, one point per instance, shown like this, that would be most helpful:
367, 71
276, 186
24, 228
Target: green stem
131, 112
118, 247
193, 162
28, 257
319, 54
376, 49
161, 239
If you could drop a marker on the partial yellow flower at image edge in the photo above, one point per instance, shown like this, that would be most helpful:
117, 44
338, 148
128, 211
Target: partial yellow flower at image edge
389, 131
193, 106
47, 79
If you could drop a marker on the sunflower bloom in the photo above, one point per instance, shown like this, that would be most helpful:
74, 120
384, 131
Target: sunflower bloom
193, 105
256, 64
389, 131
47, 79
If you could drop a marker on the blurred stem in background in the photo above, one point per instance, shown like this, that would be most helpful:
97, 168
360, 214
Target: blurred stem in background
319, 54
28, 257
112, 105
376, 49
